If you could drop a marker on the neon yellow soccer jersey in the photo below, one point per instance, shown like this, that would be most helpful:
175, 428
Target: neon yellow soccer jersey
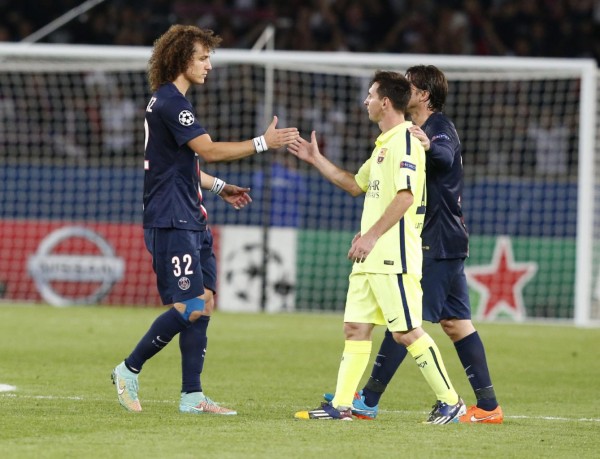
397, 163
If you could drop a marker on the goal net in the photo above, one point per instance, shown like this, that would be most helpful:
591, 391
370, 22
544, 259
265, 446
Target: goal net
71, 173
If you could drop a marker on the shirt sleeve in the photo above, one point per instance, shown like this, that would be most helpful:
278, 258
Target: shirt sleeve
178, 115
441, 150
362, 176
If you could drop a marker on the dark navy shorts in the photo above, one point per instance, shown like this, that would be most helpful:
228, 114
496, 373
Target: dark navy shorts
445, 291
184, 262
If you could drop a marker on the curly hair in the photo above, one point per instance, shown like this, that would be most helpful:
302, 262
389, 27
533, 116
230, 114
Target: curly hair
173, 52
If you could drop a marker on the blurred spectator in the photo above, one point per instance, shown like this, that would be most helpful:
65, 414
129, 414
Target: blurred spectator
452, 34
119, 117
331, 120
8, 116
550, 138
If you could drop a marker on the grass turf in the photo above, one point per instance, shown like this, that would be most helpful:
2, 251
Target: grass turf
267, 367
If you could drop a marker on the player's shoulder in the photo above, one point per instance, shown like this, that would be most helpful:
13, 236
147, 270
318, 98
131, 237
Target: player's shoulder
439, 119
169, 95
168, 102
440, 127
398, 134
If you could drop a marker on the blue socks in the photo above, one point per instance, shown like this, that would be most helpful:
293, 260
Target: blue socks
472, 356
192, 343
390, 356
161, 332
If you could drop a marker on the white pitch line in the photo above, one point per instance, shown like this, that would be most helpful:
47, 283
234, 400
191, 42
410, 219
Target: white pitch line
43, 397
7, 388
544, 418
78, 398
554, 418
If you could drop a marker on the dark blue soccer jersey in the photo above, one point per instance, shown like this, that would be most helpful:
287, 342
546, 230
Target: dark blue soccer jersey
172, 195
444, 232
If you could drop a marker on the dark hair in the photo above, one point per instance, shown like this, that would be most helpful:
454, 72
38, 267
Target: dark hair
173, 51
431, 79
394, 86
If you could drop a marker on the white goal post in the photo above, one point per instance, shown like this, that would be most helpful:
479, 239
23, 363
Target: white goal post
529, 128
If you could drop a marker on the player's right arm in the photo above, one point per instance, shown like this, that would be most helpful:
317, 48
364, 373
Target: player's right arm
229, 151
439, 150
309, 152
363, 244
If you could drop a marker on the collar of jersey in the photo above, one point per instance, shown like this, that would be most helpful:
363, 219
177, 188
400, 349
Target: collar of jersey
384, 137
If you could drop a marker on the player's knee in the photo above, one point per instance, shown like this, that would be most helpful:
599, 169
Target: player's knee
209, 306
209, 302
448, 325
457, 329
194, 308
357, 332
406, 338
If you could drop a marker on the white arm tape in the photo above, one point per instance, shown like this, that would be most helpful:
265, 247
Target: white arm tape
260, 144
218, 186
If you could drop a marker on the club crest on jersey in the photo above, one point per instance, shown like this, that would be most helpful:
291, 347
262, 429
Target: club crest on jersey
184, 283
186, 118
381, 155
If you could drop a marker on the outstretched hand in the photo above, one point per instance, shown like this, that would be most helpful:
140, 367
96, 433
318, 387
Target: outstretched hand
304, 150
236, 196
277, 138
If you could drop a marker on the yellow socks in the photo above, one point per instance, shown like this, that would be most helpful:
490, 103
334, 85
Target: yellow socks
353, 365
428, 358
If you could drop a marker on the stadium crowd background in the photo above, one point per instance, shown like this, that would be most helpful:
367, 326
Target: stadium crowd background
533, 132
547, 28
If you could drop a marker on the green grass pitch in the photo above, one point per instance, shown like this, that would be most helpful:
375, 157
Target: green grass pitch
267, 367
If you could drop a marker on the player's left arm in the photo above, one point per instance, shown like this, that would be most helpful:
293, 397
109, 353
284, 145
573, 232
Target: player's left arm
439, 149
363, 244
234, 195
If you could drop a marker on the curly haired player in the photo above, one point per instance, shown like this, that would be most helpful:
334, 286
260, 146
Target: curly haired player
175, 220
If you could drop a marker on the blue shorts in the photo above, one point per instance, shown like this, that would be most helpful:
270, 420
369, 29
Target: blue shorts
445, 291
184, 262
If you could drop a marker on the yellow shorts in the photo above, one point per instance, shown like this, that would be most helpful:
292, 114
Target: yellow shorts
393, 300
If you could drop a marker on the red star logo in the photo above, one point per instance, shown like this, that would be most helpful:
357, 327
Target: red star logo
500, 283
